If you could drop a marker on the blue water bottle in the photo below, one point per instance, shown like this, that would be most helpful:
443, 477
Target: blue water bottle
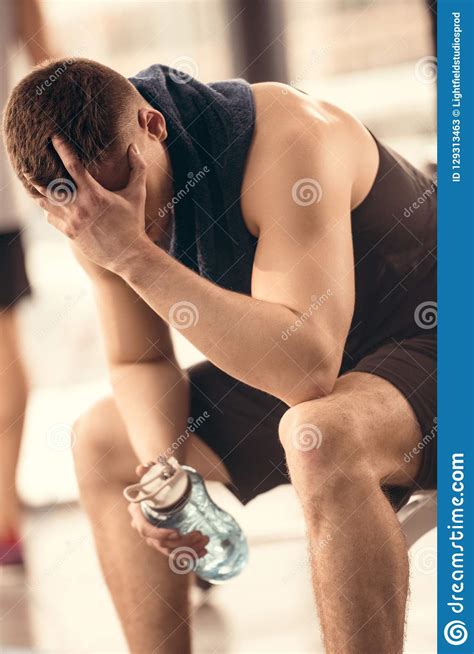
173, 496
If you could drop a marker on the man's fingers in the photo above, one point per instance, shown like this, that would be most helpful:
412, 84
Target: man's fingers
50, 207
156, 546
168, 537
59, 223
195, 537
195, 551
149, 531
41, 190
158, 534
136, 181
172, 547
167, 541
196, 542
169, 552
72, 163
143, 467
47, 196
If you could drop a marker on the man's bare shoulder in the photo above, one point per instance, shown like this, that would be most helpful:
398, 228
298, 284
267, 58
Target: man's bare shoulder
296, 133
283, 112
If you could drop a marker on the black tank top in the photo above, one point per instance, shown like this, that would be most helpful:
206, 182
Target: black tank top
394, 240
210, 128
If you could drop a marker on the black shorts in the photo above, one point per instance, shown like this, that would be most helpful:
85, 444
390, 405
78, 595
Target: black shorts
13, 278
242, 427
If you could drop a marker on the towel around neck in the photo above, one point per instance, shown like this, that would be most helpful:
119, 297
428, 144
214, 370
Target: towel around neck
210, 128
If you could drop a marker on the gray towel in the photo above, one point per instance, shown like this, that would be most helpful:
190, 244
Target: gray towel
210, 128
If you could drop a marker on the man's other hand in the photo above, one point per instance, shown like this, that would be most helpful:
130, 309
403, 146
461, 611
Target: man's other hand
166, 541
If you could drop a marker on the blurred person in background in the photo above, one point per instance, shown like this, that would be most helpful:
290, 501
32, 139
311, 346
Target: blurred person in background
21, 23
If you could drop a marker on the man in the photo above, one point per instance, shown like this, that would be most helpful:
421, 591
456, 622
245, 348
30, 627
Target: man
297, 253
19, 21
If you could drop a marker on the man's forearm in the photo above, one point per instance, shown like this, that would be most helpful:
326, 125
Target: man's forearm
153, 399
239, 334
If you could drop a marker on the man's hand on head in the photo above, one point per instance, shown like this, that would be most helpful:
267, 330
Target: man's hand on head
107, 227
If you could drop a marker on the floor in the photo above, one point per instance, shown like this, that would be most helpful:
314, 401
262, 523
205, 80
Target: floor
61, 605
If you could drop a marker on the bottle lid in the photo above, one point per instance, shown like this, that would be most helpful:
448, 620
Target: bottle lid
162, 486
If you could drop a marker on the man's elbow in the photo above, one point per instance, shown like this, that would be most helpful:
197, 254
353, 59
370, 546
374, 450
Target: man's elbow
311, 387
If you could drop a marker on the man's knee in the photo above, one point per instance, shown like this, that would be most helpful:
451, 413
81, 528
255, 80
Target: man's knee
93, 446
325, 451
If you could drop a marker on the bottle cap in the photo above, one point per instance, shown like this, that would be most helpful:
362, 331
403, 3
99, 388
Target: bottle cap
162, 486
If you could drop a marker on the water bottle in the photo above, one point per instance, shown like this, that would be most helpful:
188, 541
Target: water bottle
174, 496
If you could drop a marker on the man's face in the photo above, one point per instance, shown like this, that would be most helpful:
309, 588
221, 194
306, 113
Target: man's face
114, 176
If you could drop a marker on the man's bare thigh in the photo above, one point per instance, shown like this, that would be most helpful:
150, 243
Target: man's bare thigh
244, 424
387, 420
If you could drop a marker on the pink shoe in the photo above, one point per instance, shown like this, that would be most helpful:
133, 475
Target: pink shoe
11, 551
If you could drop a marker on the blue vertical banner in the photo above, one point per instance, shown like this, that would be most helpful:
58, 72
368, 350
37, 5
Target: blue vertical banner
456, 326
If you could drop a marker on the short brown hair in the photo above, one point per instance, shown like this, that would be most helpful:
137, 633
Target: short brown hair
81, 100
